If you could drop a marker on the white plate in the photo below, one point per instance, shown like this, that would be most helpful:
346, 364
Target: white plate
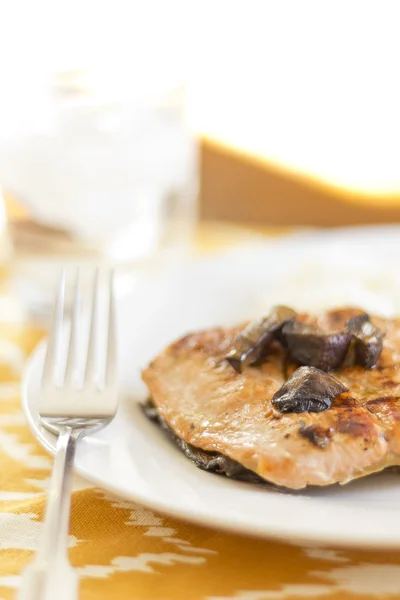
133, 459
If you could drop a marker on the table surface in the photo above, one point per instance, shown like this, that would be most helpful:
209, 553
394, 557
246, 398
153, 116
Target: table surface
125, 551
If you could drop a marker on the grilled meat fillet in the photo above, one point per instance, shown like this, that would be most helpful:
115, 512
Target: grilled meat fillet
214, 408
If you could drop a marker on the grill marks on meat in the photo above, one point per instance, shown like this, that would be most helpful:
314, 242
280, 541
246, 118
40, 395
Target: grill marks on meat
317, 435
211, 407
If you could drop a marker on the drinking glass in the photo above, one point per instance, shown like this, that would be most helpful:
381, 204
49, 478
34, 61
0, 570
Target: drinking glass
92, 174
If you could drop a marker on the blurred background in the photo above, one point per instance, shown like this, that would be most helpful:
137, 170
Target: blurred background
117, 118
298, 104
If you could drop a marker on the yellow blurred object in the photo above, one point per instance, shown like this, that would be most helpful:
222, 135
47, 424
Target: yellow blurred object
239, 187
302, 99
366, 196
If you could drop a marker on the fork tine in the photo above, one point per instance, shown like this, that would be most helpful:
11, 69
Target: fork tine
111, 358
72, 347
92, 343
55, 333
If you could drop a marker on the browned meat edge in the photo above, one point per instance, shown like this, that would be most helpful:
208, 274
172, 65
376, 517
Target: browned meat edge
213, 462
217, 463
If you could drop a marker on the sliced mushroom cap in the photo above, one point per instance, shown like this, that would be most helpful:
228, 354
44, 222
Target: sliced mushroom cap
307, 390
308, 345
368, 340
251, 344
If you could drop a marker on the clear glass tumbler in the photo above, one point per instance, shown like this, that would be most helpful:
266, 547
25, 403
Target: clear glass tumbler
89, 174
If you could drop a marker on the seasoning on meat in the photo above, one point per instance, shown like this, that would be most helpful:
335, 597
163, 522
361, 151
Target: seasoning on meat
251, 344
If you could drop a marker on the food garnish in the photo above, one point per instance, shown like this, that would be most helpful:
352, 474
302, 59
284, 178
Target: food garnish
307, 390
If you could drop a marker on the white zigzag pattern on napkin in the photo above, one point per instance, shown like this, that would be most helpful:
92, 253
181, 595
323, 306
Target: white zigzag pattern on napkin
363, 580
12, 355
13, 448
10, 581
290, 591
326, 554
21, 531
8, 391
141, 562
144, 517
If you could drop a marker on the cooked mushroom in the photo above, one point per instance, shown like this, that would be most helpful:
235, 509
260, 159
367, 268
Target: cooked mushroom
252, 342
307, 390
368, 340
310, 346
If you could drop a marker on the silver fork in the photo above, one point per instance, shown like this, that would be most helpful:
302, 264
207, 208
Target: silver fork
71, 410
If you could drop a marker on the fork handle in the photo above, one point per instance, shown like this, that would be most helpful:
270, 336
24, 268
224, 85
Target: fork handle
50, 575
